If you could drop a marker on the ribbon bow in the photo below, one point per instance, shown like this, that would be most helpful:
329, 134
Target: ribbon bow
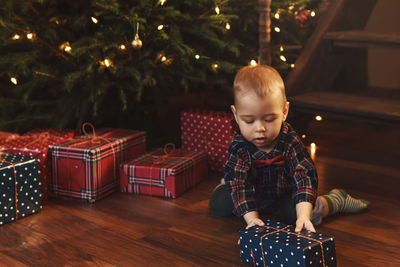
278, 160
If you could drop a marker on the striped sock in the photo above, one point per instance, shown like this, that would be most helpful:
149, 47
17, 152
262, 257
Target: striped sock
339, 201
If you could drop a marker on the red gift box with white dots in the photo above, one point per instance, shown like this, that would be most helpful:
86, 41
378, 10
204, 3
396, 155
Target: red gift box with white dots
35, 143
208, 131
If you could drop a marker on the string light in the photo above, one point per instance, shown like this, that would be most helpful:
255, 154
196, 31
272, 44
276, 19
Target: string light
107, 62
122, 47
16, 37
197, 57
253, 63
312, 14
30, 35
214, 67
277, 29
281, 48
162, 2
66, 47
160, 27
318, 118
228, 26
292, 66
94, 20
276, 15
217, 10
282, 57
303, 136
313, 149
14, 80
163, 58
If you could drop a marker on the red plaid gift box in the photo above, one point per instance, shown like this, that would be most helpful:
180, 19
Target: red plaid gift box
166, 175
208, 131
86, 167
35, 143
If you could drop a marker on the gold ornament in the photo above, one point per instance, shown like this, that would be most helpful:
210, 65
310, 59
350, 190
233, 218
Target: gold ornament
137, 43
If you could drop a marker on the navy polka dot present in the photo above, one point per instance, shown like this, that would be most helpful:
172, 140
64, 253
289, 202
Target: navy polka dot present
277, 244
19, 187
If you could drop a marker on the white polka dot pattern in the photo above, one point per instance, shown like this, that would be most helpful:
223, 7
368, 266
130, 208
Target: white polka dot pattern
277, 244
208, 131
24, 200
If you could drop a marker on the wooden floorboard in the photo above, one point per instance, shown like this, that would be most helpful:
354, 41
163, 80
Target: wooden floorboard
132, 230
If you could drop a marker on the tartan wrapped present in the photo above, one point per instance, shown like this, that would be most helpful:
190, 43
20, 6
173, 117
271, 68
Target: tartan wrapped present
87, 167
163, 174
208, 131
35, 143
19, 187
277, 244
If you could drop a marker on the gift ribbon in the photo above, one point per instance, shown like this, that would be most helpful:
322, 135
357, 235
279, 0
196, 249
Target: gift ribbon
298, 235
15, 186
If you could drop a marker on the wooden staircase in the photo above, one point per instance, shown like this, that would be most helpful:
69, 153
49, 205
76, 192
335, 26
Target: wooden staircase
331, 75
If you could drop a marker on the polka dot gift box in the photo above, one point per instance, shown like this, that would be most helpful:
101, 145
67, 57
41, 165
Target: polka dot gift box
35, 143
19, 187
208, 131
277, 244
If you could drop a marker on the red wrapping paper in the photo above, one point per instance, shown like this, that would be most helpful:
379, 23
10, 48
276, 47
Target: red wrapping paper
208, 131
87, 167
35, 143
163, 175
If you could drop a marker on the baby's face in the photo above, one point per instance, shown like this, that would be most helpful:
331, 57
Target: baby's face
260, 118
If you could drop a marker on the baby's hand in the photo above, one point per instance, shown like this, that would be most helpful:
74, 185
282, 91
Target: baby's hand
255, 221
304, 223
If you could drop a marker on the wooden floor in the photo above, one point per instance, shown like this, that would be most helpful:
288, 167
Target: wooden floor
130, 230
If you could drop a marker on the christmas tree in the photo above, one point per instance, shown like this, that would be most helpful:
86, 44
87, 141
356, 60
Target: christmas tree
115, 62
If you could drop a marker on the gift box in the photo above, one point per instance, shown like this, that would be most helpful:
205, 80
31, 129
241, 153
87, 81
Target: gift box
35, 143
19, 187
6, 136
277, 244
163, 174
208, 131
87, 167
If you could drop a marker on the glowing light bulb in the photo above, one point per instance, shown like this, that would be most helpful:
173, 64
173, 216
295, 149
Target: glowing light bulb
283, 58
303, 136
163, 59
29, 36
162, 2
318, 118
217, 10
228, 26
16, 37
253, 63
281, 48
160, 27
14, 80
313, 149
67, 49
214, 66
292, 65
94, 20
122, 47
312, 14
277, 29
197, 56
107, 62
276, 15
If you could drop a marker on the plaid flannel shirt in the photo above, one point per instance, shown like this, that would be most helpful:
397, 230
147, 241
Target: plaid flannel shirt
248, 184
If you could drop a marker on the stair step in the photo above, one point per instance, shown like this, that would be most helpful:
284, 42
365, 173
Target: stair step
369, 108
362, 39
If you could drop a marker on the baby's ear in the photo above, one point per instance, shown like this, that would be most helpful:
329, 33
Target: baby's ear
233, 109
286, 110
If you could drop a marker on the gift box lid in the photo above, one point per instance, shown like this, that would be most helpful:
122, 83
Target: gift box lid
7, 160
